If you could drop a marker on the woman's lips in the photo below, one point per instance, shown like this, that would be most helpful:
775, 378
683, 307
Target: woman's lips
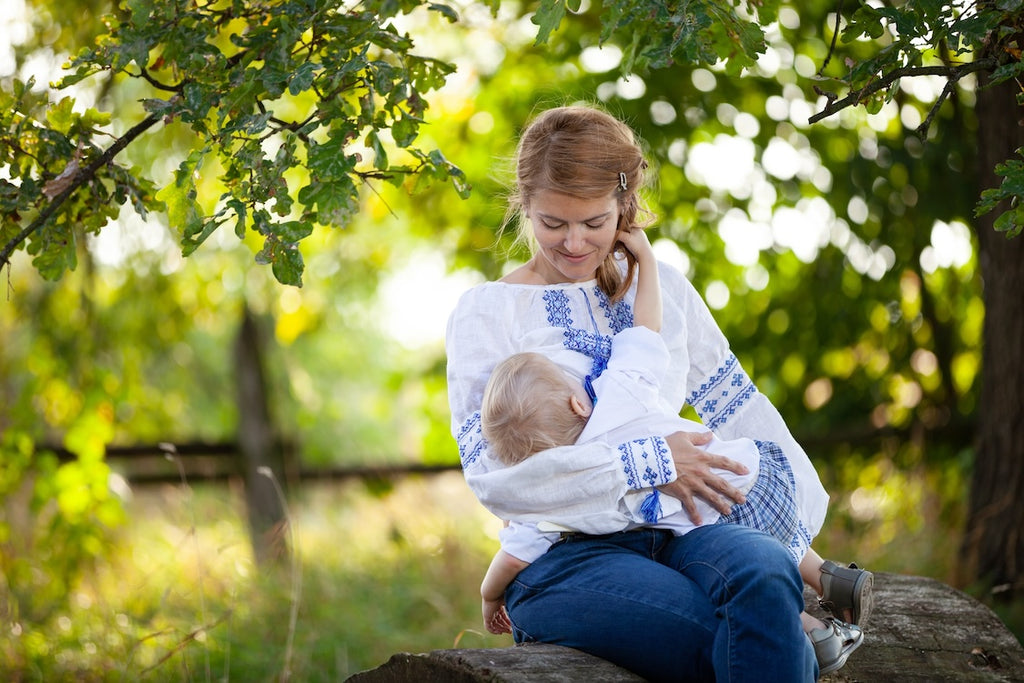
579, 258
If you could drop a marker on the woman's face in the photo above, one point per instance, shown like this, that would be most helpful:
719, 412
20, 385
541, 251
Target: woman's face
573, 235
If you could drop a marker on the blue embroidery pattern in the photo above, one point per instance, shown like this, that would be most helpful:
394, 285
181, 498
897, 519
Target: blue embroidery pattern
620, 315
629, 465
649, 456
597, 347
471, 440
557, 304
801, 542
725, 392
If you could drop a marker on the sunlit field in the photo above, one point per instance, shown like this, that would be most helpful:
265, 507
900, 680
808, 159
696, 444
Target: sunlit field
374, 571
182, 598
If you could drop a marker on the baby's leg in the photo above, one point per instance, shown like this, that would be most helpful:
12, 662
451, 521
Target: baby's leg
810, 570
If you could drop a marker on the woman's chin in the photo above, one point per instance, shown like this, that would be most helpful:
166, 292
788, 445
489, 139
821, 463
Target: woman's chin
577, 271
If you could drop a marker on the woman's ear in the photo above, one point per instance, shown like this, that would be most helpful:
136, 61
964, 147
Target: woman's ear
577, 406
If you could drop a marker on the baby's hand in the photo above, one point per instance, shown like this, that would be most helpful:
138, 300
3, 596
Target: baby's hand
495, 617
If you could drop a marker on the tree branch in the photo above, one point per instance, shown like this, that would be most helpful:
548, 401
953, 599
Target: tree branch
81, 178
856, 96
922, 130
835, 36
144, 74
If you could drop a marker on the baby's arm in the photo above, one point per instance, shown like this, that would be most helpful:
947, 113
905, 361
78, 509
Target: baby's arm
647, 307
503, 569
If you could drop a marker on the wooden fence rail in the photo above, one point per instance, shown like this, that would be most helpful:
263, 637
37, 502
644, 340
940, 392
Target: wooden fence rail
217, 462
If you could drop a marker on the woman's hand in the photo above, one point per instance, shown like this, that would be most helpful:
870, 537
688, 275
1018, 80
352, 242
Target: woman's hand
637, 241
694, 477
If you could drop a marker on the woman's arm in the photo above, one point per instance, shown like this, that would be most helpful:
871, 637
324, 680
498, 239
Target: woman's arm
725, 397
561, 484
647, 306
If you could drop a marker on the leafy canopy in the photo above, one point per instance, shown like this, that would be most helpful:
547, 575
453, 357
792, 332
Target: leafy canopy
295, 103
951, 40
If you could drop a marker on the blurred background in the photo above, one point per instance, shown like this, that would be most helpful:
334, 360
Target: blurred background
839, 258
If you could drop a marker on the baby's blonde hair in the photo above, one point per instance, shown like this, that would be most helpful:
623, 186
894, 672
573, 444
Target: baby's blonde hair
526, 408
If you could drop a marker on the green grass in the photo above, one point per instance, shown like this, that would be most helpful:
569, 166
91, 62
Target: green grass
373, 574
182, 598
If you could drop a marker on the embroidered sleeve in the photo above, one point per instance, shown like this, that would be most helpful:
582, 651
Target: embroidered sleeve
567, 485
723, 394
729, 403
646, 462
471, 442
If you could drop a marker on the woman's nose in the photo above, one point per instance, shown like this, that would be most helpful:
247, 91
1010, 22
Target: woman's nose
574, 238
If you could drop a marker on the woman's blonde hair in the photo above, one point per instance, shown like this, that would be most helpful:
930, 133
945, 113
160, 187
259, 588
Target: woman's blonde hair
526, 408
586, 153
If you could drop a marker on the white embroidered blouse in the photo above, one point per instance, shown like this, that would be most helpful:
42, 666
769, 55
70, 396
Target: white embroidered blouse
494, 320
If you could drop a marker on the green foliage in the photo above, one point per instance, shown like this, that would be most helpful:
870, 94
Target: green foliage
1010, 190
178, 596
57, 518
57, 163
277, 94
158, 346
701, 32
936, 38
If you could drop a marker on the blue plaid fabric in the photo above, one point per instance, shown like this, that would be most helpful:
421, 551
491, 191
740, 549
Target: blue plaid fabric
771, 503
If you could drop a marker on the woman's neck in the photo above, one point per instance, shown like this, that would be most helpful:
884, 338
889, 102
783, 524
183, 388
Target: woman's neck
525, 274
534, 272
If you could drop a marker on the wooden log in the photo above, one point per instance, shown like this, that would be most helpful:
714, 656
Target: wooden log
920, 630
531, 663
923, 630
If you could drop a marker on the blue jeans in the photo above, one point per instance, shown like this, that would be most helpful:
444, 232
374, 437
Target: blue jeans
720, 603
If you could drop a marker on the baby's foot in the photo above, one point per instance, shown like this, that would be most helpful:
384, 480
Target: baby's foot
846, 592
834, 643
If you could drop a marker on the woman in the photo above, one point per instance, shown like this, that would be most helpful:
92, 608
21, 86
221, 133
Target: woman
721, 602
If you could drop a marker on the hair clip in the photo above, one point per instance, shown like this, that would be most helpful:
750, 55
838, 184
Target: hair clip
622, 181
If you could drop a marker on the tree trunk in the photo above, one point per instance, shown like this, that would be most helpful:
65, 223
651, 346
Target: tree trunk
993, 547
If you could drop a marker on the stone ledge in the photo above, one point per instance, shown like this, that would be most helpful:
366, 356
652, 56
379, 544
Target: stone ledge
921, 630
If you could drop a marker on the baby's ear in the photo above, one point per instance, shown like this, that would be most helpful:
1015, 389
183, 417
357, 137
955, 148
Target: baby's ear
579, 407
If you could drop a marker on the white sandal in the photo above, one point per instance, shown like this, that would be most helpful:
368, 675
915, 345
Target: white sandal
834, 643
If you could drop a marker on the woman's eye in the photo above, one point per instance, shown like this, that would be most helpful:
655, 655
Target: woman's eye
549, 226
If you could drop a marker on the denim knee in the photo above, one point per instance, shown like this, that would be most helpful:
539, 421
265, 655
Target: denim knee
609, 597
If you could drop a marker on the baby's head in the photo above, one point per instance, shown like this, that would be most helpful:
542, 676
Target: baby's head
530, 405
